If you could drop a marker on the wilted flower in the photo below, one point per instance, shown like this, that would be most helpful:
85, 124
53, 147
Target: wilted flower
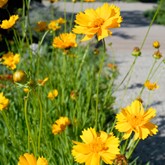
3, 101
2, 3
6, 24
136, 51
157, 55
52, 94
97, 22
41, 26
10, 60
42, 82
60, 125
29, 159
134, 118
156, 44
65, 41
95, 146
52, 1
150, 86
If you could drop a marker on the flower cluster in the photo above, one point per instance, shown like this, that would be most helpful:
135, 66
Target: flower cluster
60, 125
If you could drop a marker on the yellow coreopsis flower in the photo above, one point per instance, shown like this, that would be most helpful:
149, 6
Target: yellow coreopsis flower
150, 86
97, 22
2, 3
95, 146
52, 94
60, 125
65, 41
29, 159
61, 20
134, 118
3, 101
6, 24
10, 60
53, 25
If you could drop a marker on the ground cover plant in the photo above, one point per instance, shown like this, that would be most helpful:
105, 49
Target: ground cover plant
57, 95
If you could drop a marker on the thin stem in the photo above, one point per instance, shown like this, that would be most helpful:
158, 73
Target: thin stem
82, 62
28, 128
97, 85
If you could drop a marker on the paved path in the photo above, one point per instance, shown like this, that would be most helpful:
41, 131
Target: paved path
124, 39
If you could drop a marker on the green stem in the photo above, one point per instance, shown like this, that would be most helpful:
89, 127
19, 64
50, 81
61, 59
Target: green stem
82, 62
97, 85
28, 128
152, 21
132, 148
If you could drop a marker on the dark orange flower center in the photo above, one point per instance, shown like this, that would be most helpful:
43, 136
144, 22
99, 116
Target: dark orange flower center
97, 146
136, 120
97, 22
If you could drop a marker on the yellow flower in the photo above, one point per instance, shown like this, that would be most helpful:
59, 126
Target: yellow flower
10, 60
42, 82
156, 44
53, 25
29, 159
60, 125
52, 1
3, 2
61, 20
6, 24
134, 118
52, 94
98, 22
3, 101
41, 26
65, 41
95, 146
89, 0
150, 86
26, 90
42, 161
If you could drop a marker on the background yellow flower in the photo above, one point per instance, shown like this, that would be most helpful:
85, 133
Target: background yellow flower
6, 24
97, 22
10, 60
65, 41
3, 2
3, 101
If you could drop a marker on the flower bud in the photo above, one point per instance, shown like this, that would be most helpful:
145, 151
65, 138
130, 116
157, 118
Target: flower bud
136, 51
156, 44
20, 77
157, 54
